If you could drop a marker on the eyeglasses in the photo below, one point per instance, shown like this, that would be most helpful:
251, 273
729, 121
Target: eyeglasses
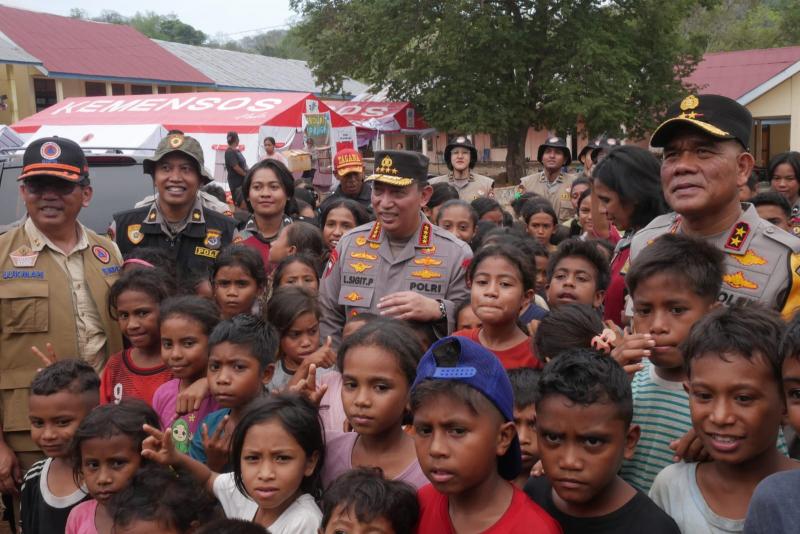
59, 187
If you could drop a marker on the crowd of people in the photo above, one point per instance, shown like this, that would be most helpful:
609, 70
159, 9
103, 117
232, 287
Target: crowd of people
617, 350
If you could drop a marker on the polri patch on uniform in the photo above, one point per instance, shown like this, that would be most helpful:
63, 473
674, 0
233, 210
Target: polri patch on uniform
206, 252
24, 257
135, 234
101, 254
213, 239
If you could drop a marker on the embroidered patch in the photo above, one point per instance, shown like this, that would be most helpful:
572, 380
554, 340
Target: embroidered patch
213, 239
738, 281
360, 267
353, 297
425, 235
738, 236
24, 257
363, 256
50, 151
427, 261
135, 234
108, 271
151, 217
196, 215
749, 258
101, 254
429, 250
374, 246
375, 234
426, 274
332, 259
25, 275
206, 252
361, 241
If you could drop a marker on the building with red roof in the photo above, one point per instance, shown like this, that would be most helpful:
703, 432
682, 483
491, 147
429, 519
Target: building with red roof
83, 58
767, 82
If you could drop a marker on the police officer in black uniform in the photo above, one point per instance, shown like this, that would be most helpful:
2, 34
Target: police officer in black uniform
177, 220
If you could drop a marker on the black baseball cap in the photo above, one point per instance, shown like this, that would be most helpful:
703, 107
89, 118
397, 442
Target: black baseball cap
55, 156
714, 115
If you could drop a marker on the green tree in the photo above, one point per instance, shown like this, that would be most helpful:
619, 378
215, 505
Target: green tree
500, 66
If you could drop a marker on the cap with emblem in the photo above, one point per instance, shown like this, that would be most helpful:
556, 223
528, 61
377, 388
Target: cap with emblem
400, 168
461, 141
714, 115
555, 142
462, 360
55, 156
347, 161
178, 142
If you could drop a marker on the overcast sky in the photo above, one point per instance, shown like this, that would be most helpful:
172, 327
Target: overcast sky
211, 16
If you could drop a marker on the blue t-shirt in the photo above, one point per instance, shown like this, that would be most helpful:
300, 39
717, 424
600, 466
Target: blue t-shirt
773, 507
534, 311
212, 421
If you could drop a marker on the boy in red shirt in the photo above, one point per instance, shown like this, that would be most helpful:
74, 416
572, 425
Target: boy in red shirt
467, 445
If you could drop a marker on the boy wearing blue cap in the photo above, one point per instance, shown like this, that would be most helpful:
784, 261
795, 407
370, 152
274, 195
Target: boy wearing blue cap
467, 446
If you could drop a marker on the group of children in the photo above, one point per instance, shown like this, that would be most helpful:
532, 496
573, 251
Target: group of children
227, 412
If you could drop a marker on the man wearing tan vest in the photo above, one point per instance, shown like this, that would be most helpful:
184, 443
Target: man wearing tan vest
55, 277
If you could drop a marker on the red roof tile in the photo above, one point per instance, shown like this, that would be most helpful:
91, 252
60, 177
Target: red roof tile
84, 48
734, 74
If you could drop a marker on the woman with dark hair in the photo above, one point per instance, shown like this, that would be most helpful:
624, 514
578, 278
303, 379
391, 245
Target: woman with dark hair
270, 152
235, 163
268, 190
442, 192
627, 183
784, 178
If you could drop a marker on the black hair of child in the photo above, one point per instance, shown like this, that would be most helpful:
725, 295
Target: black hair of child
299, 417
457, 202
525, 385
771, 198
538, 205
159, 258
474, 400
567, 327
521, 200
248, 331
244, 257
443, 192
200, 310
508, 219
72, 375
151, 282
190, 280
481, 231
306, 237
391, 335
578, 248
461, 306
109, 420
365, 318
215, 190
484, 205
634, 173
514, 255
231, 526
493, 234
310, 261
687, 260
287, 303
169, 498
359, 213
751, 331
363, 494
604, 246
284, 177
586, 376
304, 199
790, 343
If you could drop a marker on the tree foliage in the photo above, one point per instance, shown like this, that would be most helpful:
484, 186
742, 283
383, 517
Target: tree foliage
746, 24
164, 27
500, 66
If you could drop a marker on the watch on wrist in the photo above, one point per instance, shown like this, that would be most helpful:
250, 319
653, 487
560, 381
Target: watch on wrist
442, 310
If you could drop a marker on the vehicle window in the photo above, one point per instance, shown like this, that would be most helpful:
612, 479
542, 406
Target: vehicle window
116, 188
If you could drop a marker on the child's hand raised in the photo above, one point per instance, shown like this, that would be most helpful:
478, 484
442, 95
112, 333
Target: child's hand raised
689, 448
631, 349
323, 357
158, 446
189, 399
307, 386
217, 446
